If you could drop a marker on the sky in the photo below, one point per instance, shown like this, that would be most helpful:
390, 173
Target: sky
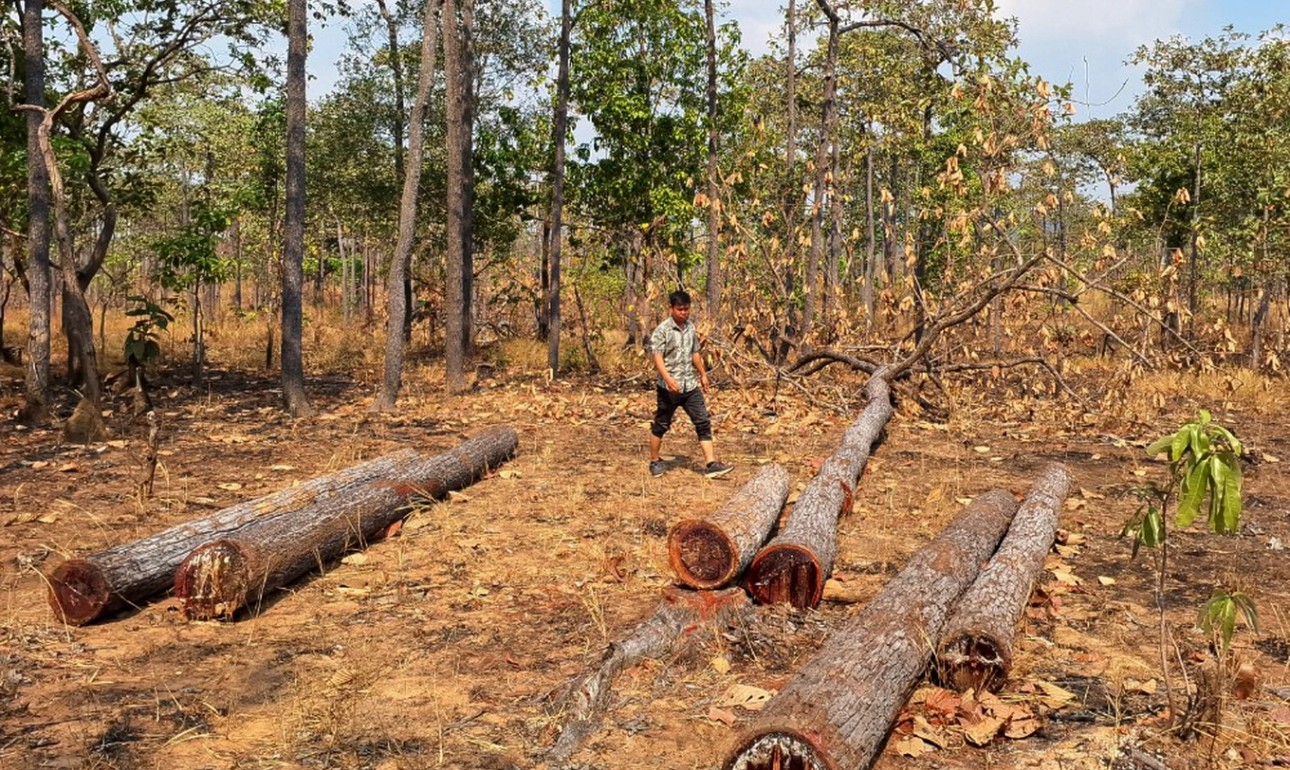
1085, 42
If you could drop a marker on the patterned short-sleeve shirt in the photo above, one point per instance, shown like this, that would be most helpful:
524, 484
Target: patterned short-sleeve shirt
678, 346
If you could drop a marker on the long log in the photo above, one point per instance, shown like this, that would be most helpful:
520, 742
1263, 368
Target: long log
712, 551
680, 613
794, 565
84, 589
975, 651
836, 713
220, 577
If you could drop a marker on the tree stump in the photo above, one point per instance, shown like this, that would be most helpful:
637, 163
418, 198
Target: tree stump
219, 578
711, 552
794, 565
976, 649
836, 713
90, 587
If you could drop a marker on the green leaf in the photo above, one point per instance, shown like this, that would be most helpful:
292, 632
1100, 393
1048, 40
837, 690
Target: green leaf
1232, 504
1179, 445
1193, 492
1151, 532
1162, 445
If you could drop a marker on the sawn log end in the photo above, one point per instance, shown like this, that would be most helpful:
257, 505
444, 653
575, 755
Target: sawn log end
779, 749
78, 592
701, 554
786, 573
214, 581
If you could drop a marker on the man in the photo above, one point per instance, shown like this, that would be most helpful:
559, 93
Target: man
682, 382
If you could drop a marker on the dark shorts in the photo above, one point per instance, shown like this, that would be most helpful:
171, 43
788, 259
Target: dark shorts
693, 404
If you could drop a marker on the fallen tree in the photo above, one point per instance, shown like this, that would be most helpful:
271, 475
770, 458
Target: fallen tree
90, 587
219, 578
710, 552
837, 711
794, 565
975, 651
679, 615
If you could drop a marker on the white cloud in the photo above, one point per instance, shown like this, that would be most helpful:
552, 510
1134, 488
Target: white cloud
1108, 23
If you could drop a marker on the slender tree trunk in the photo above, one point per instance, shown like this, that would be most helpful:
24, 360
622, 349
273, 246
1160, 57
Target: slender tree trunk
398, 309
1193, 267
236, 235
455, 280
714, 204
35, 408
871, 255
468, 177
555, 230
819, 190
790, 183
397, 132
293, 250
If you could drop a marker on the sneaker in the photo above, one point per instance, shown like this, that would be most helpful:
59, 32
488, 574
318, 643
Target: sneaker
716, 469
657, 467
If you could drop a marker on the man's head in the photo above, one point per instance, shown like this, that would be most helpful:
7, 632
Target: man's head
679, 301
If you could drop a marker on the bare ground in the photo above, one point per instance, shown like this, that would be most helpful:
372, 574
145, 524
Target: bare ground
444, 646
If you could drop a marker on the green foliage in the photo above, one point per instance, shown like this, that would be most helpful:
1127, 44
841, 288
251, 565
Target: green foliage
187, 257
1218, 615
141, 338
1204, 464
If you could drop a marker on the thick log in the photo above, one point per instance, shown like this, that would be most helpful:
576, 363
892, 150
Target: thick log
836, 713
975, 651
94, 586
711, 552
680, 613
794, 565
219, 578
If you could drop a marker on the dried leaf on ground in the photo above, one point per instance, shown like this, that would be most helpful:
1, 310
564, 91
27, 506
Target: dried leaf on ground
913, 746
745, 696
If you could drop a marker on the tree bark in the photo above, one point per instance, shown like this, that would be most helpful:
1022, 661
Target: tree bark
680, 613
555, 232
219, 578
399, 311
90, 587
793, 567
455, 280
819, 189
35, 408
711, 552
975, 651
293, 249
837, 711
714, 206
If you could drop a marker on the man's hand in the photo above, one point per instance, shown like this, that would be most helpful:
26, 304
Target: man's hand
703, 382
672, 384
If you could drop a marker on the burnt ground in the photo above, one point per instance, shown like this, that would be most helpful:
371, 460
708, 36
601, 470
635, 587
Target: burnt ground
444, 645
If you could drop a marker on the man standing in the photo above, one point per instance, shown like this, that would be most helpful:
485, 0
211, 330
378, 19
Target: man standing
682, 382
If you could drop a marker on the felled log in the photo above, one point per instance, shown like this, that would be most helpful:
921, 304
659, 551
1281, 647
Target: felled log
679, 615
837, 711
975, 651
794, 565
94, 586
219, 578
712, 551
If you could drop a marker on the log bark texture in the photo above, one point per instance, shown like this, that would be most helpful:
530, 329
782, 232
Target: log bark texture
84, 589
794, 565
975, 651
711, 552
680, 614
836, 713
220, 577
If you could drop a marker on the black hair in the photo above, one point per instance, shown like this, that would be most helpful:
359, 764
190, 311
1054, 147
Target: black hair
678, 298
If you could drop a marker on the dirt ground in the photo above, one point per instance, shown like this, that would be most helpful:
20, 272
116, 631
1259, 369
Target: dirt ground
444, 645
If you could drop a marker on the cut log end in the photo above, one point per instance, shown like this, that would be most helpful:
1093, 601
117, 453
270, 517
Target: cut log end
972, 661
786, 573
78, 592
779, 750
701, 554
214, 581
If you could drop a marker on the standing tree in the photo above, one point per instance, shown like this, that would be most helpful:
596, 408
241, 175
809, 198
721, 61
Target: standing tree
456, 31
36, 404
293, 250
555, 234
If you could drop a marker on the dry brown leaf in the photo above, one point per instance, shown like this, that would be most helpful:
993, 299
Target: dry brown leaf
47, 518
1147, 688
26, 517
1054, 697
981, 731
229, 486
720, 664
933, 735
1022, 728
721, 715
1246, 682
355, 559
943, 702
1106, 581
913, 746
282, 467
68, 468
745, 696
508, 473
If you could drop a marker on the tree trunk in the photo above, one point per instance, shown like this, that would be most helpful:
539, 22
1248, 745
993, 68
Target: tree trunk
293, 248
714, 206
399, 311
711, 552
793, 567
35, 408
837, 711
555, 231
467, 162
679, 615
975, 650
819, 190
455, 300
87, 588
871, 256
220, 577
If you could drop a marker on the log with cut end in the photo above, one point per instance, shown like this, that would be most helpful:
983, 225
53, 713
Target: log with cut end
975, 651
94, 586
711, 552
836, 713
794, 565
221, 577
679, 615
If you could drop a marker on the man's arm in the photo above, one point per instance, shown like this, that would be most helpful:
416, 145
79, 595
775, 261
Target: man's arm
697, 358
668, 380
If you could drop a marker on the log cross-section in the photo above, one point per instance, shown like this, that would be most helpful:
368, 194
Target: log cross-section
84, 589
975, 651
836, 713
712, 551
794, 565
221, 577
